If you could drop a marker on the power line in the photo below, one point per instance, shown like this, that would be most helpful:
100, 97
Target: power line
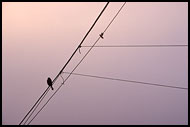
124, 80
62, 84
42, 96
77, 48
138, 46
114, 18
73, 69
35, 108
66, 62
80, 43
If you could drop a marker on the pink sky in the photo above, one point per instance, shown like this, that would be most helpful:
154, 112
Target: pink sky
38, 39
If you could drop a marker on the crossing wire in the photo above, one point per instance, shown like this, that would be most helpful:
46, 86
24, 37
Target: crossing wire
138, 46
75, 66
37, 103
126, 80
47, 90
35, 109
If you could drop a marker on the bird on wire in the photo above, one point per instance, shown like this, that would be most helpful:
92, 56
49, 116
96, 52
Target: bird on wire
49, 82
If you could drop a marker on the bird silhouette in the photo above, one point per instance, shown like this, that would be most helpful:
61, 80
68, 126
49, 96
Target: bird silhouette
101, 35
49, 82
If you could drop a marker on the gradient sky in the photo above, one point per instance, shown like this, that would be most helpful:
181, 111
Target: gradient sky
38, 39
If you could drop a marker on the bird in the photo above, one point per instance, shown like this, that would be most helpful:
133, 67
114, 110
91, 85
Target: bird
49, 82
101, 35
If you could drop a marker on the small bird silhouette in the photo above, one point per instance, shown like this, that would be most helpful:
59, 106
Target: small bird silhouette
101, 35
49, 82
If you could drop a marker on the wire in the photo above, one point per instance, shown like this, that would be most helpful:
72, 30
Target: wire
74, 68
114, 17
80, 44
34, 105
35, 108
62, 84
124, 80
138, 46
68, 60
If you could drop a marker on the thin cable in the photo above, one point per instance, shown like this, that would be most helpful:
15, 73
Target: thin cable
80, 44
64, 82
35, 108
67, 63
124, 80
114, 17
34, 105
138, 46
71, 56
73, 69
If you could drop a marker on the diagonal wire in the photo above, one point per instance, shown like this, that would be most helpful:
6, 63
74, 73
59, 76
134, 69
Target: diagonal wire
37, 103
80, 43
74, 68
115, 46
35, 107
114, 17
126, 80
64, 82
66, 62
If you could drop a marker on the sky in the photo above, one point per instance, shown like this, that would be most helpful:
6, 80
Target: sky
38, 39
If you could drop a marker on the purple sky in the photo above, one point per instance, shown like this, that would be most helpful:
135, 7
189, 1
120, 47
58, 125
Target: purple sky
38, 39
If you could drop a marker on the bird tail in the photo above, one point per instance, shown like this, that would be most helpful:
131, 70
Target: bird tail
51, 87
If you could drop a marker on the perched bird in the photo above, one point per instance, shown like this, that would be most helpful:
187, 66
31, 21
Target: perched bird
49, 82
101, 35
